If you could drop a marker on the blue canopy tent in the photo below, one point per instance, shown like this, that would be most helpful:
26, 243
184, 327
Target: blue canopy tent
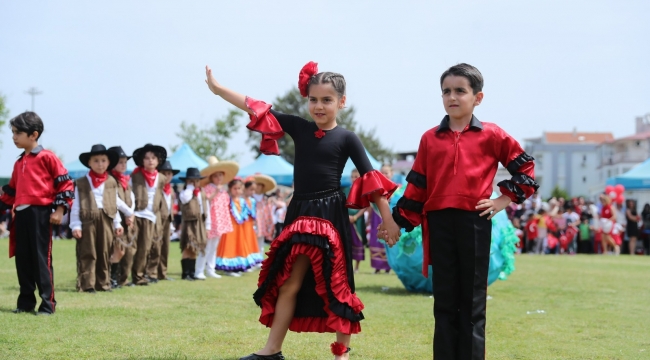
184, 158
345, 177
271, 165
635, 179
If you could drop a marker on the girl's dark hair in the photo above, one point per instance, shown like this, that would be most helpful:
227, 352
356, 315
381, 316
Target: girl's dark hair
233, 182
248, 184
28, 122
335, 79
467, 71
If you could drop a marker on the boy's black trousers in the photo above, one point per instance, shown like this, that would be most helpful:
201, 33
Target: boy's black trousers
34, 258
459, 246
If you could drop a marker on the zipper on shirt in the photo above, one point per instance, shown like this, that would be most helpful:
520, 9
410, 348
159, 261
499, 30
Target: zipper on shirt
456, 140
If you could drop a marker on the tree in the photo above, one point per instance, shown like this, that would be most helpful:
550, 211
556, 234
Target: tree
4, 114
212, 139
558, 192
293, 103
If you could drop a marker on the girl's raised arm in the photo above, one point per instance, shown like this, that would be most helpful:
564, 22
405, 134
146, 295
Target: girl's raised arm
230, 96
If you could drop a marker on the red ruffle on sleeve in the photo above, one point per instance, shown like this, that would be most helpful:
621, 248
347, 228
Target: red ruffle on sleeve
263, 122
361, 192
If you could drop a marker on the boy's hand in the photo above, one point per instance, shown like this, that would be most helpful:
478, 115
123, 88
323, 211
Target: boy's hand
211, 81
57, 216
119, 231
76, 234
129, 220
492, 207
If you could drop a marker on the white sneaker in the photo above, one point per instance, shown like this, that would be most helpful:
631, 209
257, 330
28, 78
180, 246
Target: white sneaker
199, 276
213, 275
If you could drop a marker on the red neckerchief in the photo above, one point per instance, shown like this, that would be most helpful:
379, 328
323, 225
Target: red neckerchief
168, 189
197, 191
97, 179
149, 176
121, 178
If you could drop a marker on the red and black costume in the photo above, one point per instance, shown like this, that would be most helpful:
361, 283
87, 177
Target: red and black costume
39, 183
452, 172
316, 223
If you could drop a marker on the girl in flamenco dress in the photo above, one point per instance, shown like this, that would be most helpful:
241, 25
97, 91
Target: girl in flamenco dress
307, 283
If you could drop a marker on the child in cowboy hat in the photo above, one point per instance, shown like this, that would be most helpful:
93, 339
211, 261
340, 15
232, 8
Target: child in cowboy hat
216, 174
94, 218
123, 248
196, 222
150, 208
159, 253
264, 219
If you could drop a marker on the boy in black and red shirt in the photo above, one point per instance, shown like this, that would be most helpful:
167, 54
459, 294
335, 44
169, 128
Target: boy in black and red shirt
448, 192
40, 193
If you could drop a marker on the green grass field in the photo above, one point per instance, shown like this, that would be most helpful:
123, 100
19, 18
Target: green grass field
596, 307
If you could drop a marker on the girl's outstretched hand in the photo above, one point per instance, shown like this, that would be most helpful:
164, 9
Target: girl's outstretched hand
211, 81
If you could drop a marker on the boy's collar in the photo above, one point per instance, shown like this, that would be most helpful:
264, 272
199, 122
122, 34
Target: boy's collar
34, 151
474, 123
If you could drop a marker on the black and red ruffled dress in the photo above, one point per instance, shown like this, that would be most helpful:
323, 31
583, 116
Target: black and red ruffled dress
316, 223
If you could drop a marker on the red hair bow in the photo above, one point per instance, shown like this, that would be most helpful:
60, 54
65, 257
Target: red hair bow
307, 71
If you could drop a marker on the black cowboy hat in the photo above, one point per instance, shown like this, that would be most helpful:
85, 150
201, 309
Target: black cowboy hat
119, 151
167, 166
100, 149
161, 153
192, 173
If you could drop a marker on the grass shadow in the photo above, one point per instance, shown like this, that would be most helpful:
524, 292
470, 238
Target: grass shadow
390, 291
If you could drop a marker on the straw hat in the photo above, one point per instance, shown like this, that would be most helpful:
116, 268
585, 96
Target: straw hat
268, 182
229, 168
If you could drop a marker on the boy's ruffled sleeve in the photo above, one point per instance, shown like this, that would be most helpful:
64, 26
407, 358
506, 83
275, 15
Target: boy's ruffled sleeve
63, 184
263, 122
408, 213
522, 168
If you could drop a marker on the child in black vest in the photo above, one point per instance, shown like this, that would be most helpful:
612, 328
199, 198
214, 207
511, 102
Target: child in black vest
93, 219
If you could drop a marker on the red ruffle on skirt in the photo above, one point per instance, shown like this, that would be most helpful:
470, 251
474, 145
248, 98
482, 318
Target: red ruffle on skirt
263, 122
362, 189
338, 282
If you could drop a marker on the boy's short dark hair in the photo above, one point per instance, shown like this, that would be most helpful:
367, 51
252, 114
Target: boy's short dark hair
467, 71
28, 122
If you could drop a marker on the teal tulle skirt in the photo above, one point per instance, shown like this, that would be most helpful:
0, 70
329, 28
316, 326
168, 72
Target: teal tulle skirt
405, 258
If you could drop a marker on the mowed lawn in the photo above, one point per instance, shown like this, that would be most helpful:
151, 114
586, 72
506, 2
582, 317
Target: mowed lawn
595, 307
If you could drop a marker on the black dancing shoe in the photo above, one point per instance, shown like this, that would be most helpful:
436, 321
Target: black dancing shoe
21, 311
277, 356
90, 291
43, 313
167, 278
151, 280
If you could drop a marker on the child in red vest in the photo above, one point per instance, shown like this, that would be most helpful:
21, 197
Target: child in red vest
40, 192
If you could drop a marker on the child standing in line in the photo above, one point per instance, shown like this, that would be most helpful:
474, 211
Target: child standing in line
40, 192
250, 237
123, 246
150, 207
264, 226
234, 253
313, 251
357, 227
196, 222
94, 218
157, 262
217, 173
449, 192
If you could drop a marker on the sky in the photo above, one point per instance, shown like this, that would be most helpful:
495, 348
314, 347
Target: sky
128, 72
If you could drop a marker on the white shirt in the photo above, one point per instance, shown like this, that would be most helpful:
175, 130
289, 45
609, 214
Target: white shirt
126, 210
168, 199
148, 213
186, 195
98, 194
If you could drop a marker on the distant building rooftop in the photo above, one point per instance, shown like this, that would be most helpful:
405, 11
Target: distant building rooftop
577, 137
